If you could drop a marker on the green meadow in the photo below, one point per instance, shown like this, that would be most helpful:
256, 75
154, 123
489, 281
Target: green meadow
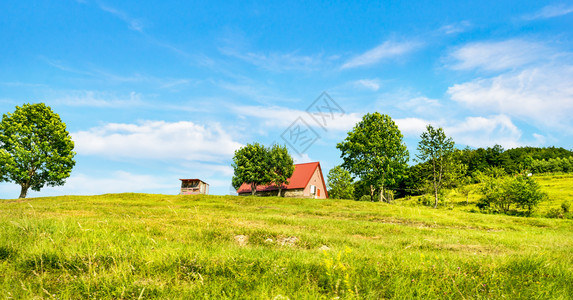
126, 246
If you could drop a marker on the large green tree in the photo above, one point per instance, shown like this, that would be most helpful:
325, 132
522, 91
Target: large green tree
281, 166
250, 165
35, 148
436, 150
375, 152
340, 185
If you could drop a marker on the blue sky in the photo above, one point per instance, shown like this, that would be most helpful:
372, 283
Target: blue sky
156, 91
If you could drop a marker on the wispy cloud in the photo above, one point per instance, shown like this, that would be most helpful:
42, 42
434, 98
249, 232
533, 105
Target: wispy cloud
384, 51
98, 99
497, 56
133, 23
454, 28
550, 11
369, 84
276, 61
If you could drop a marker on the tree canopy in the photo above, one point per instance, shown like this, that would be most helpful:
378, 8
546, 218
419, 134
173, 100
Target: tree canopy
256, 164
375, 152
340, 185
35, 148
281, 166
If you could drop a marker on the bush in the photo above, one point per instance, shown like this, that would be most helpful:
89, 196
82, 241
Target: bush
501, 192
364, 198
555, 213
565, 206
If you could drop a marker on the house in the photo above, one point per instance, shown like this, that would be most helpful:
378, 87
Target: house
194, 187
306, 182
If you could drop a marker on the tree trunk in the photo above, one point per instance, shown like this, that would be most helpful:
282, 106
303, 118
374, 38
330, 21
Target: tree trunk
279, 194
23, 191
253, 189
436, 196
371, 193
382, 197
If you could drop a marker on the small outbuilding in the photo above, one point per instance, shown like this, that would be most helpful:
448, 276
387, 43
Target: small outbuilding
194, 187
306, 182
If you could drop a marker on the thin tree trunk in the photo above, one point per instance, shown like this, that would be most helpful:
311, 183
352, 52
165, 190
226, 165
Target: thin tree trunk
382, 197
371, 193
279, 194
23, 191
253, 189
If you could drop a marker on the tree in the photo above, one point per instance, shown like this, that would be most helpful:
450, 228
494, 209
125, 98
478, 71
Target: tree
340, 185
281, 166
375, 152
526, 193
35, 148
437, 149
250, 165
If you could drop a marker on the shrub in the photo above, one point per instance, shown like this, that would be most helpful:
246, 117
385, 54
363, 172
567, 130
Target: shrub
565, 206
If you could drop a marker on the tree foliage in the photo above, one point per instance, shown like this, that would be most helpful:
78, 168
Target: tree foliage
35, 148
375, 152
256, 164
436, 149
281, 166
340, 185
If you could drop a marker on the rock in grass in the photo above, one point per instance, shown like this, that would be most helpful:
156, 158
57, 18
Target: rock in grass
242, 240
288, 241
324, 248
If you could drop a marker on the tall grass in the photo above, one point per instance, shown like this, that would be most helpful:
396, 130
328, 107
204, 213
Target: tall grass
155, 246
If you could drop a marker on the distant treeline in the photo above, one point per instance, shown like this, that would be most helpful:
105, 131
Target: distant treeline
475, 161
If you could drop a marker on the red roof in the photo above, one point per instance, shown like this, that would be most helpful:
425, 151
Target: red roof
299, 179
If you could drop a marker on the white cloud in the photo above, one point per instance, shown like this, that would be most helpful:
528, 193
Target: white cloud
550, 11
421, 106
485, 132
543, 95
386, 50
157, 140
411, 126
471, 131
497, 56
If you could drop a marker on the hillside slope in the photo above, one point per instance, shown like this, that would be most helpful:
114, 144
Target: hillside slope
156, 246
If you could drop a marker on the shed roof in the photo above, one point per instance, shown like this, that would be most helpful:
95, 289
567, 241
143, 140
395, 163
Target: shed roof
193, 180
300, 177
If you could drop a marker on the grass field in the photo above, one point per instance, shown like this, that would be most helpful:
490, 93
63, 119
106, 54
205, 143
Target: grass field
156, 246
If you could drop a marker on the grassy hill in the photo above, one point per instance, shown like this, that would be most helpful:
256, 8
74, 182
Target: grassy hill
156, 246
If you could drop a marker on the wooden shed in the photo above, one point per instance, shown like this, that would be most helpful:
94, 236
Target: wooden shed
194, 187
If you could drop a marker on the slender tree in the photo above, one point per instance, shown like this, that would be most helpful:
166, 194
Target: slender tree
375, 152
281, 166
437, 150
340, 185
35, 148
